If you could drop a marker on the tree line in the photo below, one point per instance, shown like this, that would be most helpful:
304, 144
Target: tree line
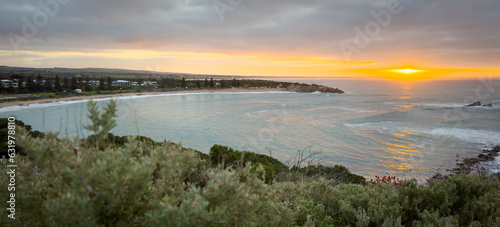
38, 83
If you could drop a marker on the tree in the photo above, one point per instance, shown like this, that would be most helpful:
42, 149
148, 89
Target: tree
57, 83
48, 85
102, 123
74, 83
212, 85
20, 87
183, 83
109, 83
198, 84
80, 83
38, 85
10, 88
101, 84
39, 79
29, 84
66, 83
236, 83
206, 82
87, 85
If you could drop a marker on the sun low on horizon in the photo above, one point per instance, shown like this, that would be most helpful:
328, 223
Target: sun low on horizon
407, 71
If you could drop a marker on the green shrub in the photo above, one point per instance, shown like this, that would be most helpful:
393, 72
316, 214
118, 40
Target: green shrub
227, 157
4, 133
338, 173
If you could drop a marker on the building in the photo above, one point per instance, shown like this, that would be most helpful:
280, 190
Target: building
10, 83
121, 83
149, 83
94, 83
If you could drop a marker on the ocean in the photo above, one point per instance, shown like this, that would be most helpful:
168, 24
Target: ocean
378, 127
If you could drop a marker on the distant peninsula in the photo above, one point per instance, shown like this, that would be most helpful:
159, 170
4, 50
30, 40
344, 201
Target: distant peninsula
21, 86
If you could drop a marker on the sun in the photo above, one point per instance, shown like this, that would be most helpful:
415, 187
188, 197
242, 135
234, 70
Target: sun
407, 71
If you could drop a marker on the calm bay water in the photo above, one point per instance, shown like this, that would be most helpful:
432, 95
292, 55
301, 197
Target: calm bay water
408, 129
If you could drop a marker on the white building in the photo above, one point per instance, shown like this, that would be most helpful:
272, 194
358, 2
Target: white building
149, 83
10, 83
121, 83
94, 83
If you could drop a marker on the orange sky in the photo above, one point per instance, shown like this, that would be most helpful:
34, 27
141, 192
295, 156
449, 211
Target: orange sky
259, 38
250, 64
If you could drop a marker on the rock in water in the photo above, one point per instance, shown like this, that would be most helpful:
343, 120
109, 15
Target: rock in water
476, 103
488, 105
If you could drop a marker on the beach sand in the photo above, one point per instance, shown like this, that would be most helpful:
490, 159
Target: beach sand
49, 100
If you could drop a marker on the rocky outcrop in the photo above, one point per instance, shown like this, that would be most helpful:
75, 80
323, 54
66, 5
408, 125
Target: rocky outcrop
309, 88
476, 103
471, 165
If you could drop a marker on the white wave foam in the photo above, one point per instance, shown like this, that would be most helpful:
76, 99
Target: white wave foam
484, 137
381, 127
57, 103
452, 105
497, 162
443, 105
40, 105
355, 110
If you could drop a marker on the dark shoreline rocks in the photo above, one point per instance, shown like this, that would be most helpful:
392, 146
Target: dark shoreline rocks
478, 103
470, 165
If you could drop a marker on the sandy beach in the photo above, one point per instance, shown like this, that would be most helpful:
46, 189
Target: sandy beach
48, 100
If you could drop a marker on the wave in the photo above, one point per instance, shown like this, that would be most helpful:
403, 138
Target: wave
127, 97
354, 110
381, 127
484, 138
442, 105
453, 105
487, 138
497, 162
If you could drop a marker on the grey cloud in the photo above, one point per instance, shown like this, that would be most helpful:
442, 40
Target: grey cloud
315, 26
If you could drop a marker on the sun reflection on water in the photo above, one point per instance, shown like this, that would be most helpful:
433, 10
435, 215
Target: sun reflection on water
405, 97
400, 152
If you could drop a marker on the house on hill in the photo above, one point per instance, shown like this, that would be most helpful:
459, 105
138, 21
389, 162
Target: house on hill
121, 83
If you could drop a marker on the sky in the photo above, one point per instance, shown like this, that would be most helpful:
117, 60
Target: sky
312, 38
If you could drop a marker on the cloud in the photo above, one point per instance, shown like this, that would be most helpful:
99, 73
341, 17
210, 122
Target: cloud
315, 28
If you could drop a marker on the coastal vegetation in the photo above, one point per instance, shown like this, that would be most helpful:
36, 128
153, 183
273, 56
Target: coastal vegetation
135, 181
26, 84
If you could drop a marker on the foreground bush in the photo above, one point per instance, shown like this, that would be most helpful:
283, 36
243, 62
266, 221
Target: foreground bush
164, 184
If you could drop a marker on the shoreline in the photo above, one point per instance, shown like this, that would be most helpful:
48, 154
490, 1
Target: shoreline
101, 96
486, 163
